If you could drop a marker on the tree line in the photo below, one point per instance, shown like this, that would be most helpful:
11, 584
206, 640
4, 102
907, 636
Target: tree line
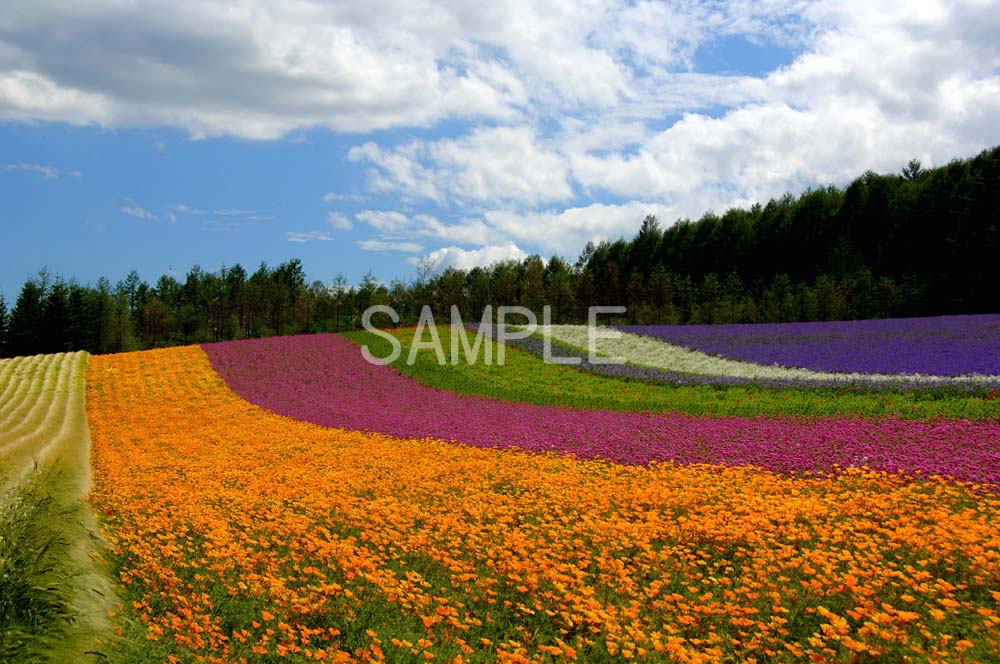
920, 242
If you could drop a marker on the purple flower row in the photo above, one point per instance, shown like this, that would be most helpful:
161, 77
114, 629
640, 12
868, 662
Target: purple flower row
941, 346
534, 346
324, 379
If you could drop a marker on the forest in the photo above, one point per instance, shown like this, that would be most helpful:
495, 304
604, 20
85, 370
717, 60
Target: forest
920, 242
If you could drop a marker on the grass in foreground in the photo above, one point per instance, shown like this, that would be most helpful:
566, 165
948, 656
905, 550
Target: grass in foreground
527, 378
46, 581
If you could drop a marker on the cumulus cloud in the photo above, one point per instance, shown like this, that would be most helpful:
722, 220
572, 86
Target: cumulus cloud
397, 231
467, 259
308, 236
567, 231
543, 125
465, 231
259, 71
488, 164
873, 86
265, 69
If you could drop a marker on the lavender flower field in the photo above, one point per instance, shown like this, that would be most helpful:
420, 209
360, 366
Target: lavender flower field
535, 344
940, 346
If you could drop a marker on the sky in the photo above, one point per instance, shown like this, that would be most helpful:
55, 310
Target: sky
368, 136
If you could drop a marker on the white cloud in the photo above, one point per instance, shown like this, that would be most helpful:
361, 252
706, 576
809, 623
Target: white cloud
259, 71
395, 225
46, 172
398, 170
385, 222
547, 124
137, 212
339, 221
467, 259
30, 95
330, 196
879, 86
185, 209
489, 164
388, 245
567, 231
308, 236
466, 231
265, 69
873, 87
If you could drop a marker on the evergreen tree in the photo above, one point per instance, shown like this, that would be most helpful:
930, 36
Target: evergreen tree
340, 292
559, 292
26, 320
660, 291
3, 326
54, 337
636, 292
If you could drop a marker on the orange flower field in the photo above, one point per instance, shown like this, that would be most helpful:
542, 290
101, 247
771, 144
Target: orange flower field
240, 535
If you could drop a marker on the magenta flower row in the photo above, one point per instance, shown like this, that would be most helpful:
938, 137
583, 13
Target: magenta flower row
324, 379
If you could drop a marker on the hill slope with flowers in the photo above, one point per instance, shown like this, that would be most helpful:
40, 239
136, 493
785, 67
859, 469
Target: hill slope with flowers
324, 379
243, 535
283, 499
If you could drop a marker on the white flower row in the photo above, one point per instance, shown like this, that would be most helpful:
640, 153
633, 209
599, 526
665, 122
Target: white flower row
659, 354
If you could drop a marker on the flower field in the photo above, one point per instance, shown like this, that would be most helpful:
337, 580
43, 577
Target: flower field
649, 346
243, 533
525, 377
325, 380
942, 346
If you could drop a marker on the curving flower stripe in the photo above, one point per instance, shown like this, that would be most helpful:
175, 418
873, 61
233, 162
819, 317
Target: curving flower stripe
240, 535
942, 345
535, 345
324, 379
653, 351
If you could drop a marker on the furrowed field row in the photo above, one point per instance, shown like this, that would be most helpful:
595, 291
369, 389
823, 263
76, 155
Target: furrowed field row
38, 424
53, 596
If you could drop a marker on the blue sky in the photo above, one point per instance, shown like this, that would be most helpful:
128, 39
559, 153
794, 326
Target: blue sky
160, 136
